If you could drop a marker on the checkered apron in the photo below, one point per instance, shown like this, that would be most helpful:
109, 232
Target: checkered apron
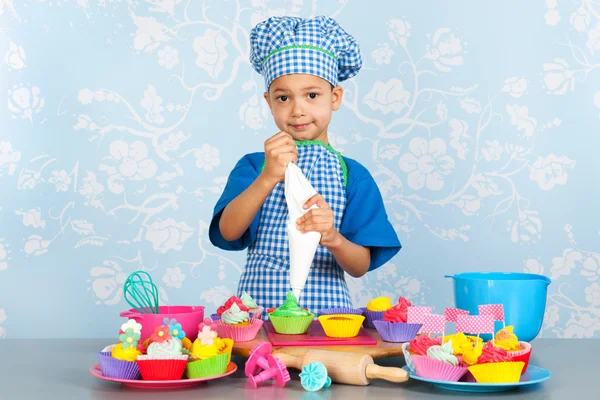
266, 276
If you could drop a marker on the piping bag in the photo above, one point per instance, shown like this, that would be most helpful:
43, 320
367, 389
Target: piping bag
303, 246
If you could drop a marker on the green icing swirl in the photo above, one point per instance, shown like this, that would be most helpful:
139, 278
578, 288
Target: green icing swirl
290, 308
234, 315
248, 301
443, 353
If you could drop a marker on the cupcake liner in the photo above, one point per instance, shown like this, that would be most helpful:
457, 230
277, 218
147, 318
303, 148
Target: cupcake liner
341, 310
256, 312
291, 325
341, 328
522, 355
215, 317
408, 358
239, 333
118, 369
502, 372
371, 316
156, 368
396, 332
468, 377
434, 369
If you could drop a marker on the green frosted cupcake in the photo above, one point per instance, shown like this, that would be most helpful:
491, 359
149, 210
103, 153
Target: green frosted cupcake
290, 318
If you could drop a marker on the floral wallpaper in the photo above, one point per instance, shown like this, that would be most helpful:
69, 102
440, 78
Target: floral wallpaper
121, 120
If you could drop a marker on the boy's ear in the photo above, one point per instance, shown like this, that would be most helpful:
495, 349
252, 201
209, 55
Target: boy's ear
336, 97
268, 100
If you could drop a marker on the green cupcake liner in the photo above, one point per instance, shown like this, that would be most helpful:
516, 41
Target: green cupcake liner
291, 325
213, 366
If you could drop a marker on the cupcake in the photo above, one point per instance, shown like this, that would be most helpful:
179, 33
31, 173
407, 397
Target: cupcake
394, 327
440, 363
517, 350
290, 318
341, 325
233, 299
210, 354
164, 359
494, 365
254, 309
119, 361
419, 346
237, 325
375, 309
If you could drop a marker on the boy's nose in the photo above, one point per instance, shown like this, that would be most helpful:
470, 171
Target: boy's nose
297, 110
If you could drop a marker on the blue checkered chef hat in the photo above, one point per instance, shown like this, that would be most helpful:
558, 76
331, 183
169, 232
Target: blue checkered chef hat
291, 45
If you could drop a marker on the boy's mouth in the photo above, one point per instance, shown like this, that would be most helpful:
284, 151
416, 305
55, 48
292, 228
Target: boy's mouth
300, 127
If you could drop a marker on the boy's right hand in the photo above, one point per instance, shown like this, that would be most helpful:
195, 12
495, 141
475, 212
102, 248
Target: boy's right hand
280, 150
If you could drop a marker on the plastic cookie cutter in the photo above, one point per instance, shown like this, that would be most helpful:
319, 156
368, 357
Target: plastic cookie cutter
262, 366
314, 376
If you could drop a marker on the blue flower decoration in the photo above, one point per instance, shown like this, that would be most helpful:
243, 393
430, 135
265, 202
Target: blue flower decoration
176, 330
314, 377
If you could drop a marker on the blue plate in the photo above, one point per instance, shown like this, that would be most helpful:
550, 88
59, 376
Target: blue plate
532, 376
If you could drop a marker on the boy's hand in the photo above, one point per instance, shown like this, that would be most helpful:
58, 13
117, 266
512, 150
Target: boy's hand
280, 149
320, 220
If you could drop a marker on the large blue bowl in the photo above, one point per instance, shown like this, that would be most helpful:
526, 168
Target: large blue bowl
523, 296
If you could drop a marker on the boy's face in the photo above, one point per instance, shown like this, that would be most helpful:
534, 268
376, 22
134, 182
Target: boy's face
302, 104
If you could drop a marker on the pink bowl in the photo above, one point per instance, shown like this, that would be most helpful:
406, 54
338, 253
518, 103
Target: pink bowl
188, 316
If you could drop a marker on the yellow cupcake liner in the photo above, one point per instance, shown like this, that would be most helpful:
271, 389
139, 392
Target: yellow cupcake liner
341, 328
502, 372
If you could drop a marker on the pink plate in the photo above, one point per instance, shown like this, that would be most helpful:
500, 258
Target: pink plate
180, 383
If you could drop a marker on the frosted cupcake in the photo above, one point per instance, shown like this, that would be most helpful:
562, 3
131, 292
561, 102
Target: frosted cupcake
516, 350
394, 326
237, 324
494, 365
164, 358
375, 309
210, 354
440, 363
119, 361
290, 318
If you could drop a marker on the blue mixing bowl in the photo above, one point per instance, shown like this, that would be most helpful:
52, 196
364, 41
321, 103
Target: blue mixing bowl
522, 295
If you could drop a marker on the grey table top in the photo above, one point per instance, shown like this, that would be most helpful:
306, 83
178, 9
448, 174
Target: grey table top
59, 368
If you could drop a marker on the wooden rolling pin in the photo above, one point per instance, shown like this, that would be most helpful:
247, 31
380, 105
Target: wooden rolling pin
349, 368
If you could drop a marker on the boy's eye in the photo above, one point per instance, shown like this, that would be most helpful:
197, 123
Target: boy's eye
283, 98
313, 95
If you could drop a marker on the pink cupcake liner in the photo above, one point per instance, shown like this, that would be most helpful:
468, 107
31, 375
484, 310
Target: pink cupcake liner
239, 333
118, 369
371, 316
468, 377
396, 332
341, 310
434, 369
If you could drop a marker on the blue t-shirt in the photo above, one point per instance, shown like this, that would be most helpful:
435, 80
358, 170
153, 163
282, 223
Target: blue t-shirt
365, 221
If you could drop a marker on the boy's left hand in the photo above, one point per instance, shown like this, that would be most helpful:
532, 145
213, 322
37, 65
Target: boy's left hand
319, 220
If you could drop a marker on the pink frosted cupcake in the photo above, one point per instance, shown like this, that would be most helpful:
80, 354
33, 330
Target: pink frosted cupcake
439, 364
394, 327
237, 325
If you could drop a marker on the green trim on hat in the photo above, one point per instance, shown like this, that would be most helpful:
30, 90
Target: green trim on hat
299, 46
325, 145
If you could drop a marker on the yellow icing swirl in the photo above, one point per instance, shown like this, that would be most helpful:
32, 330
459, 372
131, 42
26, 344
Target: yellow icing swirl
507, 340
471, 354
379, 304
203, 351
128, 354
462, 342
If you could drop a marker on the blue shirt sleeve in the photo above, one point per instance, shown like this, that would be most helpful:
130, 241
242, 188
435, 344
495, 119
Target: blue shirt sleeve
365, 221
242, 176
